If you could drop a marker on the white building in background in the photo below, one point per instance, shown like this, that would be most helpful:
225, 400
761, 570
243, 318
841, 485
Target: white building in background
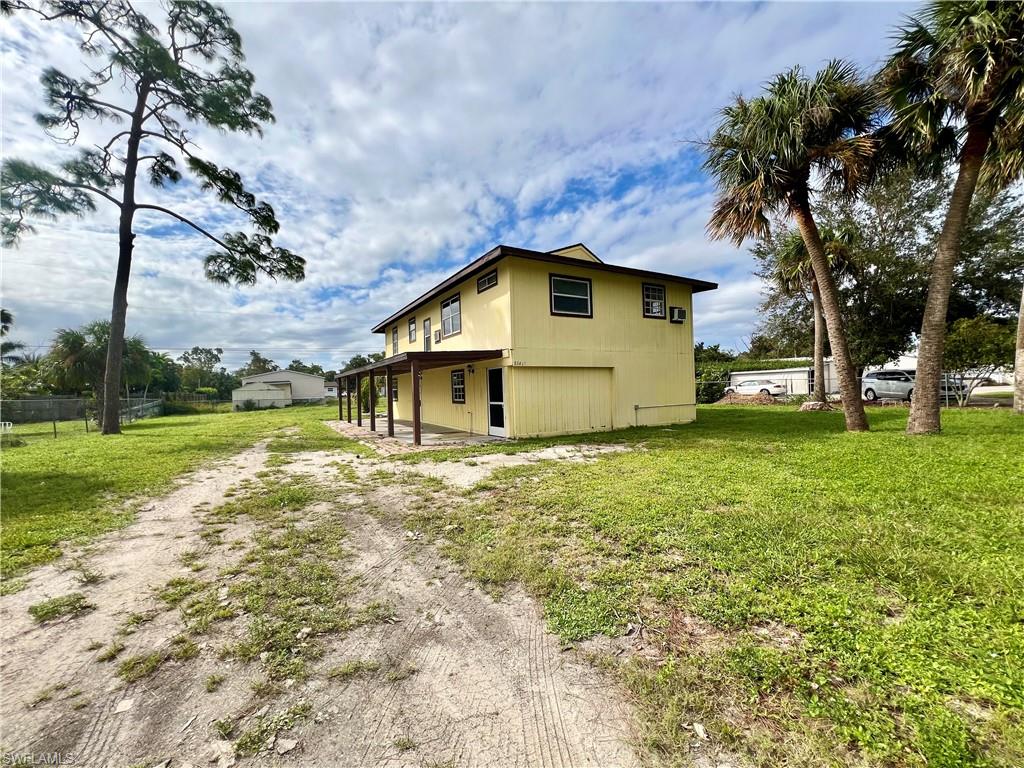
798, 380
276, 389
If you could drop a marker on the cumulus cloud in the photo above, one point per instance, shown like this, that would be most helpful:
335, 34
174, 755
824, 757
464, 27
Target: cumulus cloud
411, 138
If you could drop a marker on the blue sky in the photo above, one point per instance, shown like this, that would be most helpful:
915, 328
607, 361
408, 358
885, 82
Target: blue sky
412, 138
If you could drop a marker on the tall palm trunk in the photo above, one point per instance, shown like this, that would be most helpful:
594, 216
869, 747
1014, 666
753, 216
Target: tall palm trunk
853, 406
925, 411
1018, 362
111, 421
820, 390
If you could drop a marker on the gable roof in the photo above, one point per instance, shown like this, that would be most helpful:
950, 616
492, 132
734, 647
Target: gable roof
500, 252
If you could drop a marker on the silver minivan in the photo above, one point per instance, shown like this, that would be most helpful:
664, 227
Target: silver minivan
899, 385
891, 385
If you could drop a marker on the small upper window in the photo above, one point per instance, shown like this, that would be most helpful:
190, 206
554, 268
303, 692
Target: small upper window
394, 340
487, 281
571, 296
459, 386
451, 316
412, 329
654, 300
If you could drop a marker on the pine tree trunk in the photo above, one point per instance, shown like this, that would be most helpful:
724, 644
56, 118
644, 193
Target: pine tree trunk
925, 413
820, 390
1018, 362
849, 390
111, 421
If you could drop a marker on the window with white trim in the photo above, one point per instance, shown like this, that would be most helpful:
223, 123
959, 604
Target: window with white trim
451, 316
412, 329
571, 296
654, 300
459, 386
394, 340
394, 390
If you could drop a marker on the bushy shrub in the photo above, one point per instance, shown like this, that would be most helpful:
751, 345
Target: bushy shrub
249, 405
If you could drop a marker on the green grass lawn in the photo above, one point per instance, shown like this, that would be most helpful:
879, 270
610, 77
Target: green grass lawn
55, 490
819, 597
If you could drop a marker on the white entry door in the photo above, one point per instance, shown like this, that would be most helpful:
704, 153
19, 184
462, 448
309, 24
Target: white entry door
496, 402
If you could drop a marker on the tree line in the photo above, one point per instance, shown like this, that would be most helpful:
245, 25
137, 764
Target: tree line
75, 364
949, 99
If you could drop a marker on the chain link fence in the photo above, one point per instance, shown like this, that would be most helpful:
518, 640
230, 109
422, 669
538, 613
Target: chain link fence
37, 417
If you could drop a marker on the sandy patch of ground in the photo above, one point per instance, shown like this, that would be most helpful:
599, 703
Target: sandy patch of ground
453, 676
466, 473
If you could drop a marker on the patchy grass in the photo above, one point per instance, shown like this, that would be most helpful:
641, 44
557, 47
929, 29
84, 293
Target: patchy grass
66, 605
75, 486
862, 593
142, 665
351, 669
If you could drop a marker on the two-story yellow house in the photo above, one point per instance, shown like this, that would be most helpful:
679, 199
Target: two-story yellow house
524, 343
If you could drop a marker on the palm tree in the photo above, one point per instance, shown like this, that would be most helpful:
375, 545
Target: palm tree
8, 348
793, 276
763, 155
955, 87
80, 358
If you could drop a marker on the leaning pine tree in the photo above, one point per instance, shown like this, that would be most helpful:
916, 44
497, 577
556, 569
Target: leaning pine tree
764, 156
955, 88
149, 81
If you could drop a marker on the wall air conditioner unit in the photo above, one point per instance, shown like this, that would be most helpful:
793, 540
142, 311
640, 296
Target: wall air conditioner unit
437, 337
677, 314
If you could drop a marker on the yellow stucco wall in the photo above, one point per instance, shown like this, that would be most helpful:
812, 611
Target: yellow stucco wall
486, 320
564, 374
651, 360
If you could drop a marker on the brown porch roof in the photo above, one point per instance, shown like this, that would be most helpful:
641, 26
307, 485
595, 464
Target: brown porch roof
403, 361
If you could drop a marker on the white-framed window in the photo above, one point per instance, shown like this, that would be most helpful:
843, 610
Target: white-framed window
451, 316
571, 296
459, 386
487, 281
654, 300
394, 390
412, 329
394, 340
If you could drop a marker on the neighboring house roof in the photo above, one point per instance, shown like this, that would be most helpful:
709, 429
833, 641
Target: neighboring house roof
280, 376
284, 386
499, 252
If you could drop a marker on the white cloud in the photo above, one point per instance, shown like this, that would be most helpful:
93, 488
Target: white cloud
410, 138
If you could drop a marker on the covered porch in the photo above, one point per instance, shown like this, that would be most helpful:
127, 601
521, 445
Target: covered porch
413, 363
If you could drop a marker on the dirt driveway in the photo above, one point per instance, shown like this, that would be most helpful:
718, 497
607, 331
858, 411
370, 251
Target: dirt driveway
274, 611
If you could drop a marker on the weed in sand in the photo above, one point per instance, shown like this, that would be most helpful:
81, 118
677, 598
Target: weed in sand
112, 652
137, 667
66, 605
257, 734
403, 744
95, 645
183, 648
224, 727
135, 620
177, 589
399, 671
354, 668
213, 682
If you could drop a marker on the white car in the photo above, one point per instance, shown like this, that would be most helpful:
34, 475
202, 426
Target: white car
755, 387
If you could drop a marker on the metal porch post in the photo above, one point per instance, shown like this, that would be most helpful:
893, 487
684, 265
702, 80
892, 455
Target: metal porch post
373, 401
416, 437
389, 384
359, 400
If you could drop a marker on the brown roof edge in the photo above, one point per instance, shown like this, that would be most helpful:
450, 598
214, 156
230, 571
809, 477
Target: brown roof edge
501, 251
428, 360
